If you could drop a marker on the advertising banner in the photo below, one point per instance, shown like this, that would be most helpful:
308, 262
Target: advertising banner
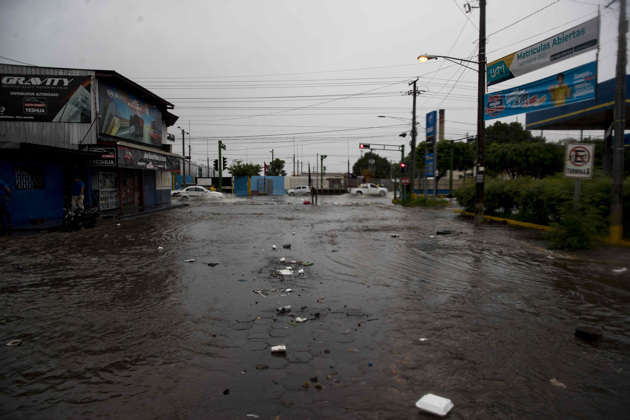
567, 44
431, 120
45, 98
577, 84
125, 116
141, 159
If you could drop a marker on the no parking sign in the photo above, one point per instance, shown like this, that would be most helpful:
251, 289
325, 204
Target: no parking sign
578, 161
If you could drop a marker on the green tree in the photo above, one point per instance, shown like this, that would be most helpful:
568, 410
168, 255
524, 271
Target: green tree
513, 132
381, 166
276, 168
238, 168
463, 156
516, 159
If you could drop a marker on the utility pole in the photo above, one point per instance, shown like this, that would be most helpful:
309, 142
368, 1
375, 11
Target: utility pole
616, 205
414, 135
322, 157
183, 157
481, 125
189, 157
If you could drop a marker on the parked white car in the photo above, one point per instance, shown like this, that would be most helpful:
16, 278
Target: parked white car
368, 189
300, 190
196, 192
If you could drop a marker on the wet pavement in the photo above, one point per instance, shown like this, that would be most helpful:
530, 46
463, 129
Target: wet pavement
115, 323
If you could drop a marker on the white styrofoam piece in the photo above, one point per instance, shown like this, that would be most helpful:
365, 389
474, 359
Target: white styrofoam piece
434, 404
286, 272
279, 349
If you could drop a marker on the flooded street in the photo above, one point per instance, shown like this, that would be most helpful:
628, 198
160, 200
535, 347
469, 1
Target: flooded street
114, 327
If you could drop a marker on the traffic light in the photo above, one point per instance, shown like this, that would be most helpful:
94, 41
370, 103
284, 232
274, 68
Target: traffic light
364, 146
216, 164
224, 162
403, 167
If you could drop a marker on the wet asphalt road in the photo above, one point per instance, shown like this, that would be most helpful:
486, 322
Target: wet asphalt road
114, 327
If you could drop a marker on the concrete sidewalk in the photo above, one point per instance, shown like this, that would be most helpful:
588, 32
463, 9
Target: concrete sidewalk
55, 224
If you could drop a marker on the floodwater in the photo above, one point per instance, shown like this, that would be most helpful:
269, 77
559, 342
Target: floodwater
114, 327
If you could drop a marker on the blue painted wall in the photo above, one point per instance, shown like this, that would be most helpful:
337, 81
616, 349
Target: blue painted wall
240, 186
26, 205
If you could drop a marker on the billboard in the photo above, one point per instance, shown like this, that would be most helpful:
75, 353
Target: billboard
577, 84
45, 98
141, 159
126, 116
567, 44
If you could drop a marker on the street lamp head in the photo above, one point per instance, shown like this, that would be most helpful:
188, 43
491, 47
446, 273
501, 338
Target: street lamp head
426, 57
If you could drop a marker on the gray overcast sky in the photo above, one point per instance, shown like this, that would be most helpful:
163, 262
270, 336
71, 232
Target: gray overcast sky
301, 77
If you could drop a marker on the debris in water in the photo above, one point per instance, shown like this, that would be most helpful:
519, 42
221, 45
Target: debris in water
446, 232
434, 404
273, 247
620, 270
190, 260
285, 272
160, 248
279, 349
14, 343
284, 309
422, 339
298, 319
226, 392
283, 259
396, 235
555, 382
588, 333
286, 246
213, 264
308, 264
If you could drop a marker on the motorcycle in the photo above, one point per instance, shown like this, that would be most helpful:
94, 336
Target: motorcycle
79, 218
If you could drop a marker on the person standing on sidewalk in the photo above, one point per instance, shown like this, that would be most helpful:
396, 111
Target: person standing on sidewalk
5, 197
78, 188
313, 195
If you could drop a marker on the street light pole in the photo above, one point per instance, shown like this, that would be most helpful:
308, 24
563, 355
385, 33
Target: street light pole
183, 157
481, 126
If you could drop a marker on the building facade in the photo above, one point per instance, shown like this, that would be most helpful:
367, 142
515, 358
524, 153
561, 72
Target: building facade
57, 124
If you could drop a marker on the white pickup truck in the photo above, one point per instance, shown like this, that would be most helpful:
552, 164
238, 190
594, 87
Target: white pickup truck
368, 189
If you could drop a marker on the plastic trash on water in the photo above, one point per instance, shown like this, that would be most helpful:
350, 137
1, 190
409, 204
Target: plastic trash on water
273, 247
190, 260
298, 319
14, 343
279, 349
620, 270
286, 246
396, 235
286, 272
434, 404
284, 309
283, 259
301, 271
160, 248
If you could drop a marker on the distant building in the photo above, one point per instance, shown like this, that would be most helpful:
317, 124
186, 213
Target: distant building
57, 123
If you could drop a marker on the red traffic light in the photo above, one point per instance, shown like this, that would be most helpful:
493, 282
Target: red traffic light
403, 167
364, 146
